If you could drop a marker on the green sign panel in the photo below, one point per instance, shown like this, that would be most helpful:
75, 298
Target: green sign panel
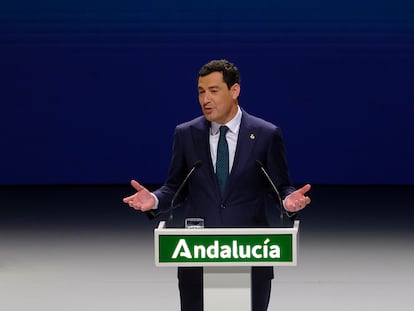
225, 248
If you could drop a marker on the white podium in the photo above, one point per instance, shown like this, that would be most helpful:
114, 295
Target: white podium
226, 255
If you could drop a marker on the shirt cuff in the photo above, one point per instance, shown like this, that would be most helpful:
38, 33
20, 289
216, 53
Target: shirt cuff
156, 201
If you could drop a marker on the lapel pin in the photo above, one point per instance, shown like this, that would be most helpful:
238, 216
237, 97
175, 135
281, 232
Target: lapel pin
252, 136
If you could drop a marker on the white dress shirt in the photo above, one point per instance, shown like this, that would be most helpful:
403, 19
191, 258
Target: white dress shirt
231, 137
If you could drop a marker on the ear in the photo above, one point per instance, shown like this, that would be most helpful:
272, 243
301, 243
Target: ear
235, 90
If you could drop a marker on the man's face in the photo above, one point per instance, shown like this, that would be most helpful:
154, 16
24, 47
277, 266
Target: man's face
219, 104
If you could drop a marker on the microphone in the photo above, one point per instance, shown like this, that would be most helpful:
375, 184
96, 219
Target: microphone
269, 180
196, 165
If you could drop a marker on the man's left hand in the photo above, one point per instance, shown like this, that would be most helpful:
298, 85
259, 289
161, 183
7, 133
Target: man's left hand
297, 200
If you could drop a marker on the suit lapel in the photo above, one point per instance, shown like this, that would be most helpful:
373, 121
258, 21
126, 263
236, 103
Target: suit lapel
201, 142
245, 143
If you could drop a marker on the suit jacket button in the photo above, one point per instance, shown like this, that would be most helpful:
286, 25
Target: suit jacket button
223, 206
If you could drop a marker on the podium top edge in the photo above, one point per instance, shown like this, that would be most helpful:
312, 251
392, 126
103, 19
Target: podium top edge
162, 225
296, 224
228, 230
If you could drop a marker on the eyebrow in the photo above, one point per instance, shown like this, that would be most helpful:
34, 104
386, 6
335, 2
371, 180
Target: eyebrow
210, 87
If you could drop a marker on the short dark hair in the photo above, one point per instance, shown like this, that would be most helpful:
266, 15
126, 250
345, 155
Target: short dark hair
230, 72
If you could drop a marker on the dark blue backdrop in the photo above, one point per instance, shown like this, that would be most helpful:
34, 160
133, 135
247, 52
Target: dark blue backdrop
91, 90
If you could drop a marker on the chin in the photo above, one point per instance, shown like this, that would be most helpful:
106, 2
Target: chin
209, 117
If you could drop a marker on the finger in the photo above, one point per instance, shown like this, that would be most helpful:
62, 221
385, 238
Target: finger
145, 208
128, 199
135, 206
137, 186
305, 189
290, 205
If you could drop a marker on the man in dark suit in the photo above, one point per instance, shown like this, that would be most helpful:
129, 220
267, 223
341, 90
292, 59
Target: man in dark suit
236, 198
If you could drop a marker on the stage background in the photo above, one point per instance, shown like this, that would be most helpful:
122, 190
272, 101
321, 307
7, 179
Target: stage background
91, 90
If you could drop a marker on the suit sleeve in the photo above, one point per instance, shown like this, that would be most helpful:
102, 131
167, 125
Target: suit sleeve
278, 167
176, 174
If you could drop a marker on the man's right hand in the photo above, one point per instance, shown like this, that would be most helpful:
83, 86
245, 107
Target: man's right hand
142, 200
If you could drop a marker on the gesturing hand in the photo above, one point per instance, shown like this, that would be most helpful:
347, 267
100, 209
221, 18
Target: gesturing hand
142, 200
297, 200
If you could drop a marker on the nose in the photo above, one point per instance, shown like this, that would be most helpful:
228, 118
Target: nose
205, 98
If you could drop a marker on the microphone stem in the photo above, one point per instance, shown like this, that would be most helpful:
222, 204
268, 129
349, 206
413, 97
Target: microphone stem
170, 221
274, 188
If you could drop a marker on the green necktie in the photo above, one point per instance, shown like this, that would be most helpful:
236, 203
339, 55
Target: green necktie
222, 162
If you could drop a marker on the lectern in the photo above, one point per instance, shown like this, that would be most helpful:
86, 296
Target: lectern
226, 255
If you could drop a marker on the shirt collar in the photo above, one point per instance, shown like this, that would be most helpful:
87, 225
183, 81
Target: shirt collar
233, 124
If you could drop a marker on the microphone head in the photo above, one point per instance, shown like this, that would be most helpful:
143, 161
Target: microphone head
197, 164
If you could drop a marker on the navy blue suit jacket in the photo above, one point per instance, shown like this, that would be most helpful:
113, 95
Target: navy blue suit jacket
244, 201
